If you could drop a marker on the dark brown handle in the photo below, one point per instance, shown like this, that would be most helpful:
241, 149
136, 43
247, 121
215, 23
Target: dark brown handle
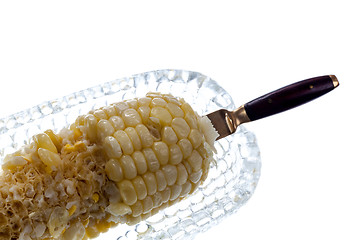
290, 96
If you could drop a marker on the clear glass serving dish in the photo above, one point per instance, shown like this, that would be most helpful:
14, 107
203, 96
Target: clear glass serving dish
230, 184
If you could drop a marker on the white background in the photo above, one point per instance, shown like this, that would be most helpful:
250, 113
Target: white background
309, 188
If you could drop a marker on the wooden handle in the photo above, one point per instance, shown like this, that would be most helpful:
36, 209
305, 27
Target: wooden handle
290, 96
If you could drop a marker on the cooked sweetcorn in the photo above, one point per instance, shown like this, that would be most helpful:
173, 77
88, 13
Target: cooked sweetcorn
118, 164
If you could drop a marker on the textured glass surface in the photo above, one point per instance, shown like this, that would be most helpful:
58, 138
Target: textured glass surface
230, 183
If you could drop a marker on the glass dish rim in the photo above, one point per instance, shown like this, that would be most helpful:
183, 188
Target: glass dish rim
68, 97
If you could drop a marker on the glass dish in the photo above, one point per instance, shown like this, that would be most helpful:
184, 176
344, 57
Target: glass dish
230, 184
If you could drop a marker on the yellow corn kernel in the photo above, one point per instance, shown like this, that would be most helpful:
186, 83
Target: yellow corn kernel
113, 224
150, 182
148, 204
112, 147
182, 175
133, 103
186, 147
140, 162
54, 138
195, 177
69, 148
171, 99
104, 129
92, 232
109, 110
187, 108
140, 187
191, 120
165, 195
161, 150
48, 169
180, 127
124, 141
49, 158
162, 114
187, 166
168, 135
170, 173
144, 112
117, 122
144, 101
151, 160
160, 180
128, 166
153, 94
100, 114
158, 102
120, 107
157, 199
145, 136
175, 110
14, 161
134, 137
134, 220
72, 210
114, 170
77, 133
103, 226
195, 160
137, 209
175, 192
186, 188
195, 138
57, 221
127, 192
176, 155
90, 123
131, 117
80, 120
95, 197
80, 146
44, 141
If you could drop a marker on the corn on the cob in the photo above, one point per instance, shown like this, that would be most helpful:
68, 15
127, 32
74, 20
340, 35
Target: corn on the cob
116, 164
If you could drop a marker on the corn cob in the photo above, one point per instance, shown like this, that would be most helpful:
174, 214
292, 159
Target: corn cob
118, 164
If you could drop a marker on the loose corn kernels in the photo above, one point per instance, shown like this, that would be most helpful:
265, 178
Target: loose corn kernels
72, 209
115, 165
